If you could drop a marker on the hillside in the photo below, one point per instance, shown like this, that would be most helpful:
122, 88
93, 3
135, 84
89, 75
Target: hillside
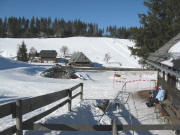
94, 48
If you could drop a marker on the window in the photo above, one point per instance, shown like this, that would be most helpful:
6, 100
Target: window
178, 83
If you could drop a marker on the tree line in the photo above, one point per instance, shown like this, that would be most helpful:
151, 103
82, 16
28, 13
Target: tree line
21, 27
158, 25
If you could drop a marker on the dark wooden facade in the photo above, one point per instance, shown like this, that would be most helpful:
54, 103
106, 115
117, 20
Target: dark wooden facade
48, 56
170, 86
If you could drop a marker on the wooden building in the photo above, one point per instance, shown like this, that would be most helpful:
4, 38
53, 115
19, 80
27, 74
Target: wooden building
168, 76
48, 56
79, 59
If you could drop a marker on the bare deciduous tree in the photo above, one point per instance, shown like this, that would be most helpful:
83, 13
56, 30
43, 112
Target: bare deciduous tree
107, 57
32, 53
64, 50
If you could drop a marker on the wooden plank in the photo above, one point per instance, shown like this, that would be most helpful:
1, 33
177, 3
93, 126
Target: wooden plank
75, 87
9, 131
69, 100
114, 127
6, 109
81, 97
63, 127
76, 95
148, 127
19, 130
46, 127
30, 121
32, 104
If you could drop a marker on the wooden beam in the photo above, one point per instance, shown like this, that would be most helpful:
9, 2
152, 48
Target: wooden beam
114, 127
41, 115
9, 131
32, 104
69, 100
76, 95
81, 97
75, 87
6, 109
19, 130
63, 127
148, 127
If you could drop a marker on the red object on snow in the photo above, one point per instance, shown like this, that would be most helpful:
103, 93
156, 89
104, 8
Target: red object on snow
117, 75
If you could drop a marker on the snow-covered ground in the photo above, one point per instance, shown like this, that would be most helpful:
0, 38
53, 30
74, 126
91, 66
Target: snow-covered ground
20, 80
94, 48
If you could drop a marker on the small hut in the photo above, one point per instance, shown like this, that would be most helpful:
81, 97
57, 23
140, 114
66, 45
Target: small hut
48, 56
79, 59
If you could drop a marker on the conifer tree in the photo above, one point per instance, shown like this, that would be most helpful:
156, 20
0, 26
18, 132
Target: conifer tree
32, 27
160, 24
22, 53
1, 27
5, 28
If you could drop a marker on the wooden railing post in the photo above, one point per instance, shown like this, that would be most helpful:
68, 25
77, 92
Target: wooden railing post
19, 130
70, 99
114, 127
81, 96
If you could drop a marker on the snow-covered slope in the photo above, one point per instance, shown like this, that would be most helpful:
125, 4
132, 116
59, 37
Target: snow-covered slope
94, 48
6, 63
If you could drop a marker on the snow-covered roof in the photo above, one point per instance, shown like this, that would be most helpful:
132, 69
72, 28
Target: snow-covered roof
167, 53
79, 57
162, 54
175, 48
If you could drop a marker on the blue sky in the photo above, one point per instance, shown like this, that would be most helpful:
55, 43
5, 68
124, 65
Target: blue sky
103, 12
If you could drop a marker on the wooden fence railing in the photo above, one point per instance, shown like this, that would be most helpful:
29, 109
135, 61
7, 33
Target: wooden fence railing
20, 107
